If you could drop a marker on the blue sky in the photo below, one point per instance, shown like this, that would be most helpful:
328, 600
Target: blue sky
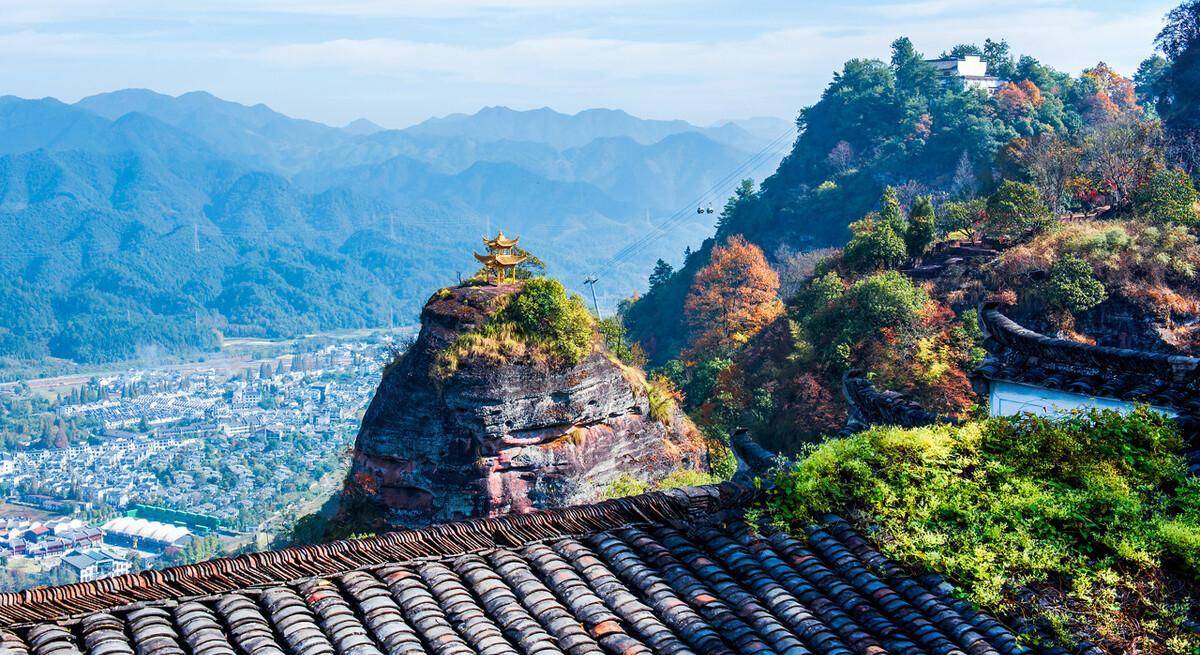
399, 62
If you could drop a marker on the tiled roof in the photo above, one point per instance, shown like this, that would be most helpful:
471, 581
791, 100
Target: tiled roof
869, 406
676, 572
1018, 354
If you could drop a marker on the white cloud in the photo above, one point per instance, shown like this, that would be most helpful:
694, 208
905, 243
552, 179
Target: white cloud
776, 71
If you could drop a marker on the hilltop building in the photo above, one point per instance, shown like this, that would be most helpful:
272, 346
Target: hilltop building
502, 258
971, 69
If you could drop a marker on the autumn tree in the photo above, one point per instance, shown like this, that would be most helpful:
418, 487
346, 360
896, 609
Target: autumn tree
1111, 94
732, 298
1019, 98
1122, 152
1051, 162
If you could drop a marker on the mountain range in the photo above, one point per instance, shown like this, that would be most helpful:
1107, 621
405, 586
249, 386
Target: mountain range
140, 222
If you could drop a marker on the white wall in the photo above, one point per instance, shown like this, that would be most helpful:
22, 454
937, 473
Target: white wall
1009, 398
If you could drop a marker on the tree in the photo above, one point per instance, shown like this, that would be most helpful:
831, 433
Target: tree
962, 50
963, 185
1072, 286
1019, 99
914, 75
890, 211
743, 197
966, 217
1178, 98
1051, 163
841, 157
1112, 94
545, 313
1167, 197
732, 298
1014, 210
999, 59
1122, 152
1149, 82
661, 274
875, 245
922, 227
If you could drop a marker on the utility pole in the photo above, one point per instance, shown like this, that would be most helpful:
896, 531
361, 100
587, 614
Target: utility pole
591, 282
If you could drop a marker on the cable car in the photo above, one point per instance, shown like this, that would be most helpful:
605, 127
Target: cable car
699, 210
709, 210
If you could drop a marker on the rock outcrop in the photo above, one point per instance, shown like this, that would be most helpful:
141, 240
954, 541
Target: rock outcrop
502, 435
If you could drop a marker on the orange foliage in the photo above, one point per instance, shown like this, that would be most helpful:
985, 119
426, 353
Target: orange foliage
1114, 95
1019, 99
732, 298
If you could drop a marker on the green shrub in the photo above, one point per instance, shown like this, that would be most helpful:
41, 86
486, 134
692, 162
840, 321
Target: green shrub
1014, 210
1093, 503
875, 245
686, 478
624, 485
1073, 286
544, 313
539, 320
1167, 197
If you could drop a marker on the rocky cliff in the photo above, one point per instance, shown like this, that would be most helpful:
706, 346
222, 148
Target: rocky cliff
505, 432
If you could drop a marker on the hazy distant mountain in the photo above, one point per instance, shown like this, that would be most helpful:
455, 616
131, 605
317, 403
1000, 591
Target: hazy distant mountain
139, 221
571, 130
762, 127
361, 126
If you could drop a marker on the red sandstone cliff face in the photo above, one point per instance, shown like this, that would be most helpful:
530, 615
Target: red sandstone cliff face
503, 437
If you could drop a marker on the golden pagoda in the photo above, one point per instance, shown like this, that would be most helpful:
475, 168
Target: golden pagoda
500, 258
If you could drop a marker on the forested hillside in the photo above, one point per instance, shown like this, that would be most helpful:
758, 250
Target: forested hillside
908, 199
1069, 200
138, 223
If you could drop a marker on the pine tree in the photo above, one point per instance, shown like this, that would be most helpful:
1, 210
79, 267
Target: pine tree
922, 227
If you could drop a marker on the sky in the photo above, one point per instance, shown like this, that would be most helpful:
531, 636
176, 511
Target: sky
399, 62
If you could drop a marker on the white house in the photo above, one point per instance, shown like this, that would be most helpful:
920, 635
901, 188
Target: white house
970, 69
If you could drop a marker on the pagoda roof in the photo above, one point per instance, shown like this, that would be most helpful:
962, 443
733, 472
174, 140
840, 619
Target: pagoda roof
500, 241
499, 259
668, 572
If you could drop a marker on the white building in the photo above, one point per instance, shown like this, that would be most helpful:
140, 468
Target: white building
970, 69
91, 565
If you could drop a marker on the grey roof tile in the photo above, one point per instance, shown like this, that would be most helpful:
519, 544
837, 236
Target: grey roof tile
674, 573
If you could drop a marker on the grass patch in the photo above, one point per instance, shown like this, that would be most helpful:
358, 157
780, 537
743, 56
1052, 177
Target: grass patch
539, 321
1094, 513
663, 399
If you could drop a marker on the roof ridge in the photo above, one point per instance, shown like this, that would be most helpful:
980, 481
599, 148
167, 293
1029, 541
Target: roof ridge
1007, 332
228, 574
